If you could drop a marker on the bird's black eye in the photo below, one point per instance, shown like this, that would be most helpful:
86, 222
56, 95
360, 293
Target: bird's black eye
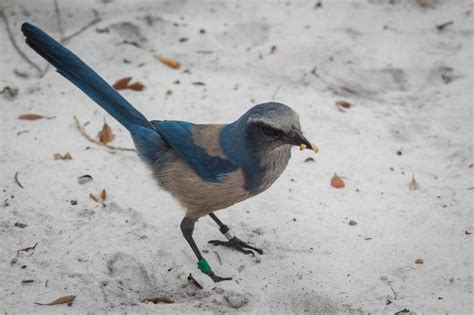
269, 131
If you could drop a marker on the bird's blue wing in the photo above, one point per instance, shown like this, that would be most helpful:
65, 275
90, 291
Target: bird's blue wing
179, 135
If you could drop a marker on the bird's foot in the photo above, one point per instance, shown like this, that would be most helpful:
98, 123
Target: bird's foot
216, 278
239, 245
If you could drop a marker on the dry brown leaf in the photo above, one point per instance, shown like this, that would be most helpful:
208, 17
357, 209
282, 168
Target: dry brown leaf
241, 268
158, 299
17, 181
122, 83
413, 184
273, 49
101, 198
66, 156
30, 117
106, 135
103, 195
352, 222
61, 300
137, 86
419, 261
309, 159
170, 62
424, 4
93, 197
337, 182
343, 105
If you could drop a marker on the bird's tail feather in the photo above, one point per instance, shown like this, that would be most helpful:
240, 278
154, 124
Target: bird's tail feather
76, 71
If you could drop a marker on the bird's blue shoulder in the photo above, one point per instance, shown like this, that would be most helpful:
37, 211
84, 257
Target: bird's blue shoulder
234, 143
196, 144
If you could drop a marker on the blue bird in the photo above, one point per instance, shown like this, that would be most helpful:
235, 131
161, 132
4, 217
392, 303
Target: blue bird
205, 167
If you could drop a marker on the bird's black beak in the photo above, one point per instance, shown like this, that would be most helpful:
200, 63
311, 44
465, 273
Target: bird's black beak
299, 140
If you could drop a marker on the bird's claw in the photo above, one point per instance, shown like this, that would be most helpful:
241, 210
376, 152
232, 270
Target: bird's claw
216, 278
238, 245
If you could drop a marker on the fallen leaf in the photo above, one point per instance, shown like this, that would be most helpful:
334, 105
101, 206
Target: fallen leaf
199, 83
61, 300
170, 62
106, 135
158, 299
424, 4
30, 117
183, 39
27, 281
405, 310
137, 86
337, 182
342, 105
93, 197
241, 268
17, 181
101, 198
273, 49
309, 159
419, 261
103, 195
352, 222
168, 92
122, 83
66, 156
413, 184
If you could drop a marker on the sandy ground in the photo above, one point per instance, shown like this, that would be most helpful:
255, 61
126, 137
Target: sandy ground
411, 89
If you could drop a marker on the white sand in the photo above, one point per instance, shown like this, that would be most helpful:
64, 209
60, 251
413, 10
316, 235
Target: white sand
314, 261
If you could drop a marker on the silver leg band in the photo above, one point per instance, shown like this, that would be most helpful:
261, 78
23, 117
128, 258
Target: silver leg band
229, 235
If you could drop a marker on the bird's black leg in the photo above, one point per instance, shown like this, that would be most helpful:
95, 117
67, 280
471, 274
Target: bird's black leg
233, 241
187, 227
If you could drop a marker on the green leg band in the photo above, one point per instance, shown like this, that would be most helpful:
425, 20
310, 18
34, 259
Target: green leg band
204, 266
224, 229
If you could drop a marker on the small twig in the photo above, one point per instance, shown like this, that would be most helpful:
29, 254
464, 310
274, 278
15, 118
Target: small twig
62, 38
58, 18
218, 258
17, 181
88, 137
394, 294
15, 45
193, 281
440, 27
96, 20
276, 91
27, 281
46, 284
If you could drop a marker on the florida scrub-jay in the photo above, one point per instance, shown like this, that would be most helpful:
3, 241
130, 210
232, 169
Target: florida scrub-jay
205, 167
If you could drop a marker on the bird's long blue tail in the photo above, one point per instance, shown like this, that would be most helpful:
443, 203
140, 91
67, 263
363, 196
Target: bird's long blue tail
76, 71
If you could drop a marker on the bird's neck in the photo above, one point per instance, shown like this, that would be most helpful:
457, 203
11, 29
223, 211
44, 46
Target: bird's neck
261, 165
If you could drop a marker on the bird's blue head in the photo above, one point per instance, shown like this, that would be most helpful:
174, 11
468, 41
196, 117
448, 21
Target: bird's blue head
260, 143
272, 125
